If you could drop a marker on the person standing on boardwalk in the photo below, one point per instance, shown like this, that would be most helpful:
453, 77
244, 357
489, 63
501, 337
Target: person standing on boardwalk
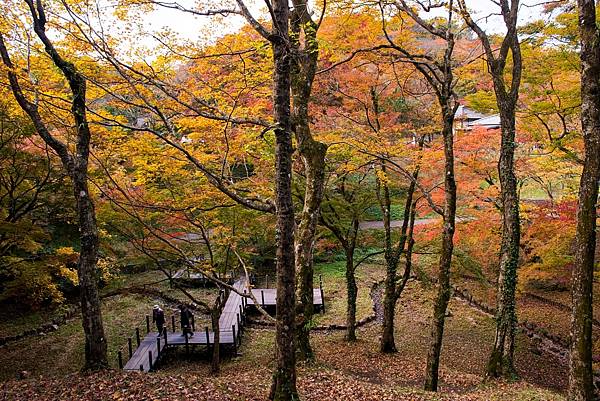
158, 317
186, 320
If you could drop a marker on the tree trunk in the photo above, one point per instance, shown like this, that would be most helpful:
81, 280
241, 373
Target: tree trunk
284, 377
580, 360
387, 344
95, 343
313, 154
347, 238
352, 290
443, 295
501, 361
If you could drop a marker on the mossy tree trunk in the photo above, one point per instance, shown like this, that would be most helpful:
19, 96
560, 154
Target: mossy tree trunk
312, 152
580, 361
501, 361
502, 358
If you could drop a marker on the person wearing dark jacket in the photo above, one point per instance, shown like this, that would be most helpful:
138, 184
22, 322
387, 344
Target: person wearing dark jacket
186, 320
158, 317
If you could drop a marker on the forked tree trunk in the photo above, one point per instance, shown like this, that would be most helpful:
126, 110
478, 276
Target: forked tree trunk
393, 290
580, 360
501, 360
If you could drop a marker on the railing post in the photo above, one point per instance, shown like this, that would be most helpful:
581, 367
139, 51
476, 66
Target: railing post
141, 367
147, 324
238, 323
129, 347
137, 335
173, 323
150, 360
244, 299
262, 297
165, 336
158, 348
120, 357
241, 313
234, 339
322, 296
187, 344
266, 281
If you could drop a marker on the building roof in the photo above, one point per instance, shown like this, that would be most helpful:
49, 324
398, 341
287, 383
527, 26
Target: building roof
466, 113
492, 121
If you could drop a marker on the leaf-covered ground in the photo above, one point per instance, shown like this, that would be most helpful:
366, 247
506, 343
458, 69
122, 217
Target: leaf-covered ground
314, 384
342, 371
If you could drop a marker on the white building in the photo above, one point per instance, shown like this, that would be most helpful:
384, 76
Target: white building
467, 119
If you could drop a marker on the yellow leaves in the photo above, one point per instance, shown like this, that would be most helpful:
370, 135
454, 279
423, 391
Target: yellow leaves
65, 251
383, 178
69, 274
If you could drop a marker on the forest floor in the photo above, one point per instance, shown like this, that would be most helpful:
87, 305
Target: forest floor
342, 371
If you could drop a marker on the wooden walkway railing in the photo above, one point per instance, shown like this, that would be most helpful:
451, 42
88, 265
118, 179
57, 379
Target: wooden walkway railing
231, 323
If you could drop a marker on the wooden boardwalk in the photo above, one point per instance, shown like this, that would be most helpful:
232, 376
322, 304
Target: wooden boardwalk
231, 323
268, 297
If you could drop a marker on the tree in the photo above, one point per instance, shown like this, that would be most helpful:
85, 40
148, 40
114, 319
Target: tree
345, 203
33, 189
76, 165
370, 96
507, 93
440, 76
580, 360
394, 285
155, 96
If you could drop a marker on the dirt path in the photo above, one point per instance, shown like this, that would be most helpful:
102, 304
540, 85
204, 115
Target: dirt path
371, 225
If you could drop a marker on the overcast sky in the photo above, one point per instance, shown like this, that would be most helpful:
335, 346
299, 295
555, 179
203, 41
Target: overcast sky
200, 29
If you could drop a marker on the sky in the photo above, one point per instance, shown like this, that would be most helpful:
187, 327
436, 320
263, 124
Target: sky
191, 27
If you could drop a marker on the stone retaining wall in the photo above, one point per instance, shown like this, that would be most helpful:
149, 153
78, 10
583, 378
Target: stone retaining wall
45, 328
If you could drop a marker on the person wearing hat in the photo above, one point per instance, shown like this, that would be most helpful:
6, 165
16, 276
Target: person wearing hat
158, 317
